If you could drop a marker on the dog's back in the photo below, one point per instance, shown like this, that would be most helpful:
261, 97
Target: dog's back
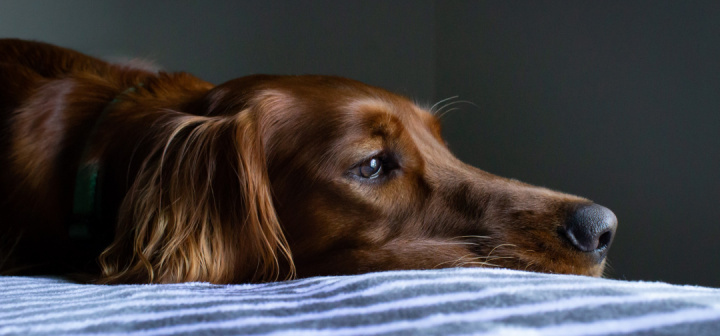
24, 68
51, 101
35, 77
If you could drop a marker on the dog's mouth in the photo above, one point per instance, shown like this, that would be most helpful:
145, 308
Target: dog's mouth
539, 258
579, 265
580, 245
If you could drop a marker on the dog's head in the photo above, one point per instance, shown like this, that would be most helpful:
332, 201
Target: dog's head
338, 177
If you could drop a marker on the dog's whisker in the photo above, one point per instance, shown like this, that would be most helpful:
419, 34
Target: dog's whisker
608, 270
496, 247
480, 263
472, 236
432, 108
441, 115
493, 258
441, 111
453, 263
442, 263
448, 243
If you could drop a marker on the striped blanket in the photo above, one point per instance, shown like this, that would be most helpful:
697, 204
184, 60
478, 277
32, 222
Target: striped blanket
437, 302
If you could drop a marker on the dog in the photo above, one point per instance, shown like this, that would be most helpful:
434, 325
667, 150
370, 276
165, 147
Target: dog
134, 176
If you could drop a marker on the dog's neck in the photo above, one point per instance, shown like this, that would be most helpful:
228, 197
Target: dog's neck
87, 197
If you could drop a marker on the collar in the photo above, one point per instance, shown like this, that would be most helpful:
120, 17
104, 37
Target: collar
87, 195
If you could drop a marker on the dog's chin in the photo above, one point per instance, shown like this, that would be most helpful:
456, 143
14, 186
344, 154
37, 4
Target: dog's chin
578, 267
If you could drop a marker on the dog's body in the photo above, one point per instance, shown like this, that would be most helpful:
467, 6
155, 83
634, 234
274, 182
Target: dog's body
260, 178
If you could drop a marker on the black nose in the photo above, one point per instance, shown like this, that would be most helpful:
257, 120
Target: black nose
591, 228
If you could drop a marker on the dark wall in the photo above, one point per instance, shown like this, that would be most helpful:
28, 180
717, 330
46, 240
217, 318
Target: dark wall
385, 43
616, 101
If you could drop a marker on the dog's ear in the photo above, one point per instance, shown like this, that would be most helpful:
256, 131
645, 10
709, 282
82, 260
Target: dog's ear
200, 209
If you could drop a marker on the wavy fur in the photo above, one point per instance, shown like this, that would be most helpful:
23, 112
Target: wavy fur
184, 220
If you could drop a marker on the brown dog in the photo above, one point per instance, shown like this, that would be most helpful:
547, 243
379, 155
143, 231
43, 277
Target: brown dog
167, 178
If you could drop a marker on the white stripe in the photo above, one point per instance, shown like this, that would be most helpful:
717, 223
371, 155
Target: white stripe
519, 275
280, 285
31, 279
30, 283
227, 296
420, 301
118, 292
46, 312
64, 301
482, 315
617, 326
38, 315
212, 287
285, 285
53, 294
349, 280
450, 272
37, 288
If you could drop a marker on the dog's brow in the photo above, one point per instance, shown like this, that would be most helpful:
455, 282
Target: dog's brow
370, 104
433, 122
429, 122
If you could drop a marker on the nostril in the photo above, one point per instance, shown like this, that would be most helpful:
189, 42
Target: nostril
590, 228
604, 240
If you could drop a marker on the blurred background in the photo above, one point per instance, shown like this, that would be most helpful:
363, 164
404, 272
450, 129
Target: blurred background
617, 101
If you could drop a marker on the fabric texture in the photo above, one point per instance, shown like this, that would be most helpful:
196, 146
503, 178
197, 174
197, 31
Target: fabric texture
458, 301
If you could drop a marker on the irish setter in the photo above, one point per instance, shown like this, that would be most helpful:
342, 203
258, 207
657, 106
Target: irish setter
137, 176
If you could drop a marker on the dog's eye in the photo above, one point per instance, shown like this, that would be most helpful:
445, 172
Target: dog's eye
374, 167
371, 168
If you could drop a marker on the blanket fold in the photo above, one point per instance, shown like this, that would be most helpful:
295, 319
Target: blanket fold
433, 302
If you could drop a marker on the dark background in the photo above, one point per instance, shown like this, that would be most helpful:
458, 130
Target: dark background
617, 101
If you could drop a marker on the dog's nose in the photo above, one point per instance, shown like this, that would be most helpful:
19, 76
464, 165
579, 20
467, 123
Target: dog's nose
591, 229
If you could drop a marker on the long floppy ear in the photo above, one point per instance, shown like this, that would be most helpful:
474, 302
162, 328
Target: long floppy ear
200, 209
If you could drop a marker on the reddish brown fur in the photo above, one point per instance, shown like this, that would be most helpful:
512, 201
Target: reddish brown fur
251, 180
